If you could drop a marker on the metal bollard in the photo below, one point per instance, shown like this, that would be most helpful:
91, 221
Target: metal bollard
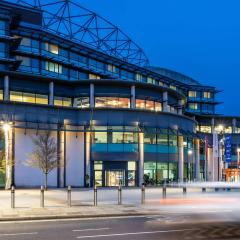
164, 192
69, 197
119, 195
203, 190
184, 190
95, 195
42, 197
143, 194
12, 197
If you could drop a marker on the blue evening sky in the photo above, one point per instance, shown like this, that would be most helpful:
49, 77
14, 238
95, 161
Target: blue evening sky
200, 38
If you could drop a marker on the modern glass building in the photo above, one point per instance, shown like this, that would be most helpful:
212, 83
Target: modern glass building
115, 119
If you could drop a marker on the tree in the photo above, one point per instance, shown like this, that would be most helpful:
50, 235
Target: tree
45, 154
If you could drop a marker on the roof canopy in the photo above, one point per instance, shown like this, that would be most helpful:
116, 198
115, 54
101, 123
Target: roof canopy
69, 19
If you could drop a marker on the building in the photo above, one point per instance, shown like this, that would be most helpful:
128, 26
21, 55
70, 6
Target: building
115, 119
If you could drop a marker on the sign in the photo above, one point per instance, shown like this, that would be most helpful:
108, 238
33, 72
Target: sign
215, 145
228, 148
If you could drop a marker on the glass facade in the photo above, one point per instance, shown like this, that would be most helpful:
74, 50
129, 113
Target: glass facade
110, 140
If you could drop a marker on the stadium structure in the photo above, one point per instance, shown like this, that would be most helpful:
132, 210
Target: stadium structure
115, 119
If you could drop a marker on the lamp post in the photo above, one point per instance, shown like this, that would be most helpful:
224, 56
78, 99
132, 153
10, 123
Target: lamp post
238, 158
221, 147
190, 152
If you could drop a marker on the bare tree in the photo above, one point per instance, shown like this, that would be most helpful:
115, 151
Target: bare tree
44, 155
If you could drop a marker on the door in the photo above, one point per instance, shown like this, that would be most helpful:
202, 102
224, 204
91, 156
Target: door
115, 178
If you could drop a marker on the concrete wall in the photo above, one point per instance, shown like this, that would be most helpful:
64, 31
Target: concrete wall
74, 159
24, 175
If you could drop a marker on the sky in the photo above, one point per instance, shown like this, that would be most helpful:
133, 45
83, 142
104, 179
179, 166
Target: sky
199, 38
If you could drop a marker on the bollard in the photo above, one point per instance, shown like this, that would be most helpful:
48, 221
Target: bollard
69, 197
203, 190
120, 195
12, 197
184, 190
95, 195
143, 194
164, 191
42, 197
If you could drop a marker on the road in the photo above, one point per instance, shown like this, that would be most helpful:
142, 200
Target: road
205, 225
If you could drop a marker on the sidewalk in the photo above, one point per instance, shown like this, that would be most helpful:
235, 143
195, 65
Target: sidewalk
27, 203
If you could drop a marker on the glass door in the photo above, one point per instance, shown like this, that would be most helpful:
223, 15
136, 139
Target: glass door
115, 178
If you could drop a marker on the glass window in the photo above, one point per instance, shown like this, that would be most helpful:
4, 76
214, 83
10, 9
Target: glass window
2, 49
192, 94
117, 137
2, 27
112, 102
41, 99
62, 101
193, 106
206, 129
149, 105
29, 97
99, 137
98, 165
52, 48
138, 77
16, 96
206, 94
150, 138
53, 67
94, 76
173, 87
158, 106
1, 94
140, 103
162, 139
131, 165
81, 102
111, 68
130, 137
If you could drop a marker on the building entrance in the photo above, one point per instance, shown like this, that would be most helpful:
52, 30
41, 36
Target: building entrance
115, 178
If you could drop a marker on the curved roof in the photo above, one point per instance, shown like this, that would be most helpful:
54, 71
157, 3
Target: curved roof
69, 19
174, 75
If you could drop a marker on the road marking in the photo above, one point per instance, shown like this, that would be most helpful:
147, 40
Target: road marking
17, 234
137, 233
90, 229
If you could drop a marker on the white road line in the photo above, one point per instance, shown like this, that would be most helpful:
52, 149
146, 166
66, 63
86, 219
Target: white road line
137, 233
90, 229
17, 234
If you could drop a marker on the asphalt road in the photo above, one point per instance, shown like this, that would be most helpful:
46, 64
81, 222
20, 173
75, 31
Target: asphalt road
207, 225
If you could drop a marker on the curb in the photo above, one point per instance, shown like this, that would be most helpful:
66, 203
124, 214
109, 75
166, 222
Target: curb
77, 216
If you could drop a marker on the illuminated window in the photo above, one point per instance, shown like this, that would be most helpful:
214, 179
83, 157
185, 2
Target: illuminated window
138, 77
207, 95
62, 101
150, 105
111, 68
192, 94
160, 83
52, 48
173, 87
131, 166
205, 129
140, 103
112, 102
150, 80
193, 106
158, 106
1, 94
94, 76
53, 67
228, 129
28, 97
41, 99
81, 102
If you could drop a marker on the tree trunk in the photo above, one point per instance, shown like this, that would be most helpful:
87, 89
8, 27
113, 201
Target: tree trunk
46, 181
